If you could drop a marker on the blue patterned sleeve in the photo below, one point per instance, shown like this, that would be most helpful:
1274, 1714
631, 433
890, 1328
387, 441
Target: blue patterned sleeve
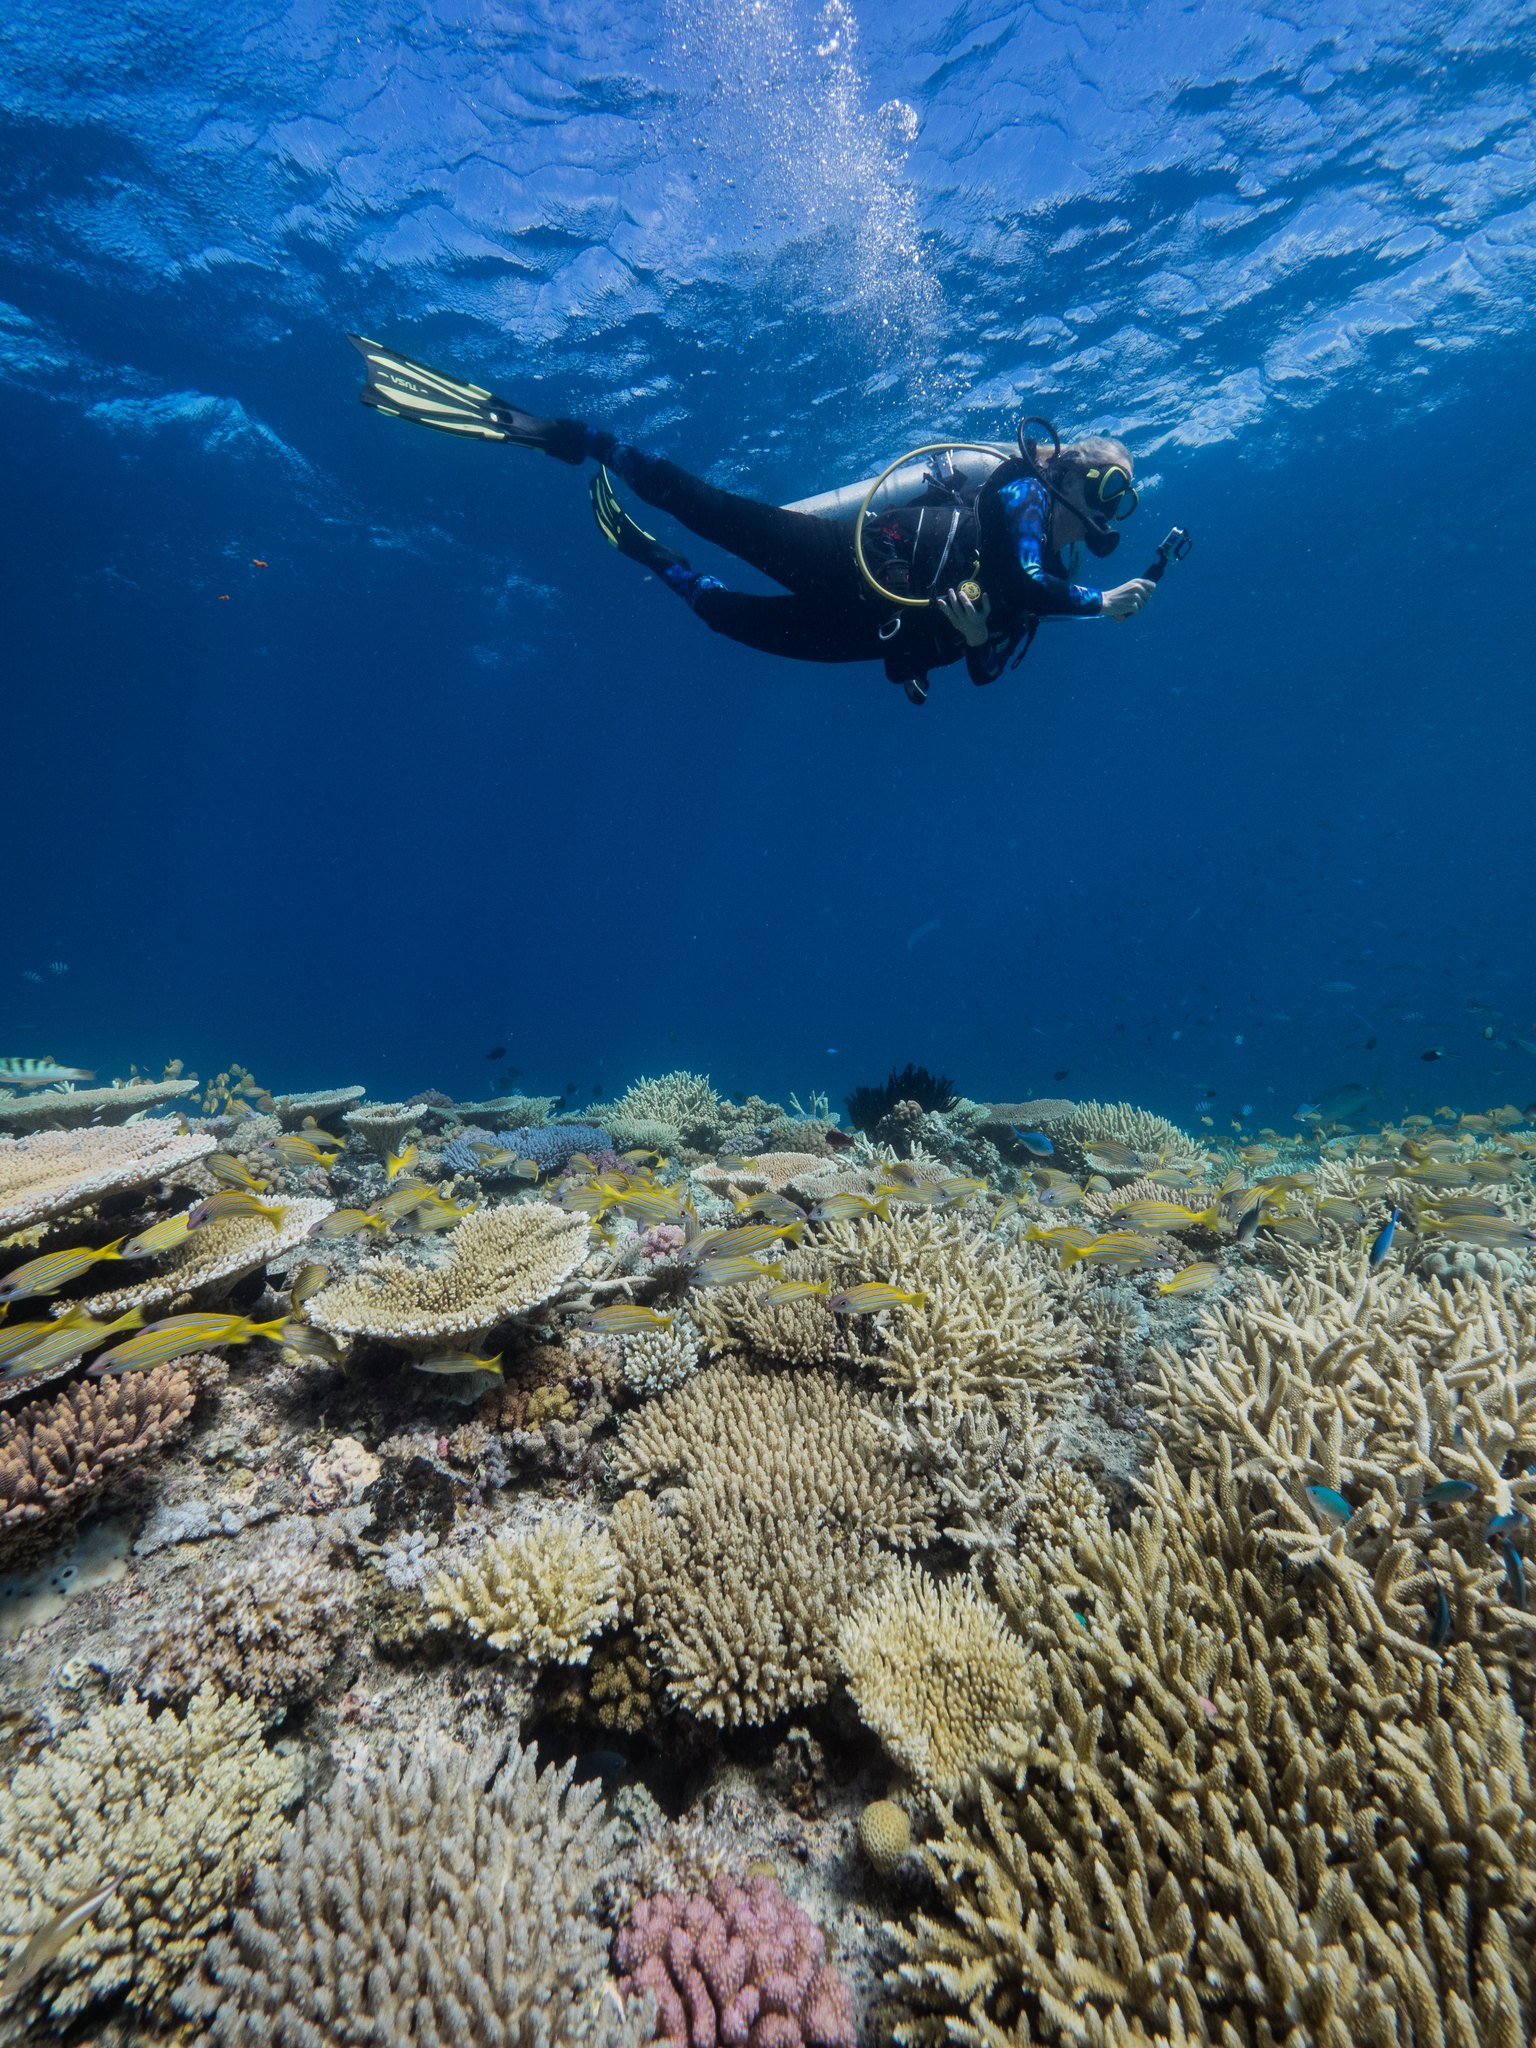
1027, 510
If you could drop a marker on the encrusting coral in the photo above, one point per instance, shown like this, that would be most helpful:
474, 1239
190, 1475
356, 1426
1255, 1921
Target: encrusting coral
498, 1263
793, 1495
936, 1673
1244, 1823
57, 1171
179, 1810
444, 1902
543, 1591
54, 1452
738, 1965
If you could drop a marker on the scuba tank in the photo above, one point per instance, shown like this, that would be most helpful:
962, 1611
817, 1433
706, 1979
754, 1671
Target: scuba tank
905, 481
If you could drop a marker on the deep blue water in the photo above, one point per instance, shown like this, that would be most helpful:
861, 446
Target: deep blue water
447, 773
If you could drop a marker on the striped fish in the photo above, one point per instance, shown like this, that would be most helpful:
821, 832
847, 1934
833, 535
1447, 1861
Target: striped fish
176, 1337
56, 1269
40, 1074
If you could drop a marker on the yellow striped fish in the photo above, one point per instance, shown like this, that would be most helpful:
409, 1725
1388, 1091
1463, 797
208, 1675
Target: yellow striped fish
786, 1291
626, 1319
235, 1202
1155, 1215
1191, 1279
176, 1336
458, 1361
869, 1297
161, 1236
1127, 1249
307, 1282
56, 1269
231, 1172
396, 1163
347, 1223
62, 1342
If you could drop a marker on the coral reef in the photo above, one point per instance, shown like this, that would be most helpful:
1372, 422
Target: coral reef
265, 1624
655, 1360
549, 1147
57, 1171
206, 1265
543, 1591
498, 1263
738, 1965
941, 1680
66, 1109
1244, 1822
885, 1834
444, 1902
1075, 1133
179, 1810
682, 1100
792, 1495
54, 1452
316, 1104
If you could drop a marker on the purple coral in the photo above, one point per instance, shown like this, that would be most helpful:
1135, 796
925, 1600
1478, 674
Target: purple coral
737, 1966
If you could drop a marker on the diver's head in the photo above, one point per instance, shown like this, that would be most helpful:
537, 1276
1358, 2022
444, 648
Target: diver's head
1090, 481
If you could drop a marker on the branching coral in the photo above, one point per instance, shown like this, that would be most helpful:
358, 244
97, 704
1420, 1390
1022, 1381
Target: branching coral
684, 1100
795, 1333
178, 1810
444, 1903
543, 1591
499, 1264
1381, 1388
57, 1171
983, 1456
265, 1625
1241, 1826
936, 1673
655, 1360
738, 1965
213, 1258
988, 1323
1075, 1133
793, 1493
54, 1452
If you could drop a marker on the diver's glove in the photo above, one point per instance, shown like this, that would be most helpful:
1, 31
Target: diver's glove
621, 532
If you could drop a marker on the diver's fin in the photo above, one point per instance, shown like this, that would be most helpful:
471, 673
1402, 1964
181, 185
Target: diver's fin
408, 390
621, 532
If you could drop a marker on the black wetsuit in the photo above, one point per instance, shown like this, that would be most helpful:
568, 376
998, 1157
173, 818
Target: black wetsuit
830, 615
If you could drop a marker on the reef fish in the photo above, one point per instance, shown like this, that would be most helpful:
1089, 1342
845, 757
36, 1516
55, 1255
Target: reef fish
400, 1162
161, 1236
307, 1282
175, 1337
51, 1937
1191, 1279
1490, 1231
1155, 1215
1514, 1573
235, 1202
627, 1319
299, 1152
56, 1344
347, 1223
1330, 1504
848, 1207
1127, 1249
40, 1073
1382, 1242
1446, 1490
869, 1297
1034, 1142
785, 1291
1440, 1618
458, 1361
231, 1172
55, 1270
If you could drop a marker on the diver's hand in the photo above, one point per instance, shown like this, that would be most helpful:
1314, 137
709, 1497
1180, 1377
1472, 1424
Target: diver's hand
1127, 599
968, 618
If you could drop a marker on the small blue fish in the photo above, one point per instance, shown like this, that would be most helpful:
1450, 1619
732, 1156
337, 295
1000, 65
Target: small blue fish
1514, 1573
1440, 1618
1447, 1490
1333, 1507
1035, 1142
1502, 1524
1383, 1242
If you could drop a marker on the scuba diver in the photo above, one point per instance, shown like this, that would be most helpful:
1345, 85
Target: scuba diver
958, 549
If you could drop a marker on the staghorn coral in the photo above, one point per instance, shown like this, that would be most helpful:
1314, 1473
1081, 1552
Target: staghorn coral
66, 1109
543, 1591
1242, 1825
988, 1323
983, 1456
54, 1452
57, 1171
794, 1493
738, 1965
621, 1687
264, 1624
1379, 1386
498, 1263
796, 1333
180, 1810
443, 1902
685, 1101
209, 1262
937, 1675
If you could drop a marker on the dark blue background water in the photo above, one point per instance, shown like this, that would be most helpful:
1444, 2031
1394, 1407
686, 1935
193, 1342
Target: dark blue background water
448, 774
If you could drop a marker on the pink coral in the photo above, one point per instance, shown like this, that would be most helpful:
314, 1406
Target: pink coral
661, 1243
737, 1966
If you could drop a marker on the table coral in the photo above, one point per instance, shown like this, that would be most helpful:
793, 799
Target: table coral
499, 1263
938, 1676
1246, 1822
57, 1171
54, 1452
180, 1810
209, 1262
442, 1902
66, 1109
738, 1965
543, 1591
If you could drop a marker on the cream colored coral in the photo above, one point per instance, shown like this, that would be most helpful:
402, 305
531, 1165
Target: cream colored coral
210, 1261
382, 1125
543, 1591
342, 1472
684, 1100
805, 1332
318, 1103
937, 1675
180, 1810
654, 1360
57, 1171
497, 1263
1245, 1823
66, 1109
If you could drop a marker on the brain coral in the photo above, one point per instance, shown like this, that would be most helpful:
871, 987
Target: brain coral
543, 1591
55, 1451
1245, 1822
444, 1902
182, 1809
738, 1965
56, 1171
499, 1263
